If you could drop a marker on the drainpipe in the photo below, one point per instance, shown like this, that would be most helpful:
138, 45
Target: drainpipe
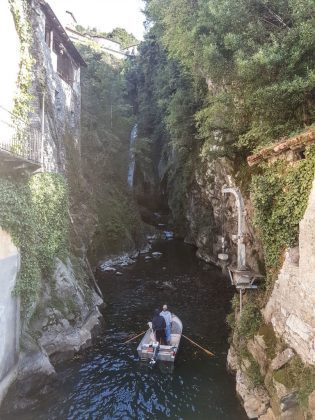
241, 255
43, 131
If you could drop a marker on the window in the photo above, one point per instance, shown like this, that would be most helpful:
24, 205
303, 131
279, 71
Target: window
48, 34
65, 67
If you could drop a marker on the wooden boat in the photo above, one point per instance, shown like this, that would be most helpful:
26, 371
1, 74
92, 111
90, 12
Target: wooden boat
149, 349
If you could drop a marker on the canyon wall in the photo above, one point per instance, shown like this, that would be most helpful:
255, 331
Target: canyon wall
9, 312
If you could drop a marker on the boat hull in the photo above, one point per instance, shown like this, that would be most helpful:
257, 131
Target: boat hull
166, 353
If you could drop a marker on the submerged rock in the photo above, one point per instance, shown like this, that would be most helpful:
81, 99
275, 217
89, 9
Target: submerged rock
118, 261
156, 254
109, 269
168, 285
168, 234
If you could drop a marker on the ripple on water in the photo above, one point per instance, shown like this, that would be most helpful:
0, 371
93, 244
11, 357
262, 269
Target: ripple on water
108, 382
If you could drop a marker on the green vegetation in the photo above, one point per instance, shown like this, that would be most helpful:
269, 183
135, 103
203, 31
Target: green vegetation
35, 214
220, 79
245, 329
297, 375
280, 194
253, 373
120, 35
106, 122
250, 321
256, 58
270, 339
20, 12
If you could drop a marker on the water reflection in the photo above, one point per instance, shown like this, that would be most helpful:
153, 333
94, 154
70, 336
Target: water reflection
107, 381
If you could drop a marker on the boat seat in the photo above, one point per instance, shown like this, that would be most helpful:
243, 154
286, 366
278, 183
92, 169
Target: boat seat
175, 339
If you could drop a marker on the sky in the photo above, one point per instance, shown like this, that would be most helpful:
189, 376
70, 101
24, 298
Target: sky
105, 15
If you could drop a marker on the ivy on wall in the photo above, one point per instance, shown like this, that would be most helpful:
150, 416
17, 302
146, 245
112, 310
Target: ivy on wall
35, 214
20, 13
280, 195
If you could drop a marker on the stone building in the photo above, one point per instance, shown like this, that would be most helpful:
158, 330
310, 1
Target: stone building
35, 140
56, 88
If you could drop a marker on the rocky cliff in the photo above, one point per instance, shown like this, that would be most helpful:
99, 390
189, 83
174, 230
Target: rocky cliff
272, 350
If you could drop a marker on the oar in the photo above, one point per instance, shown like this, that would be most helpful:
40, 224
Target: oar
205, 350
136, 336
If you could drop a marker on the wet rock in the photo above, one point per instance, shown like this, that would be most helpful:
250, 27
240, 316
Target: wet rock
256, 400
168, 285
118, 261
289, 401
232, 359
168, 234
282, 358
118, 273
109, 269
145, 249
156, 254
147, 258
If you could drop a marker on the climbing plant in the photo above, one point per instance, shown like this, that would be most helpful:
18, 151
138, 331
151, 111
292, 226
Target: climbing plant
20, 13
280, 194
35, 214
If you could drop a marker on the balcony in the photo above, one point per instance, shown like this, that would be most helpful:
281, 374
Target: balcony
20, 144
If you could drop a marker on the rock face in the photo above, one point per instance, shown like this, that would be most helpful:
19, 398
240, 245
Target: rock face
211, 215
289, 312
64, 323
9, 312
281, 359
256, 400
290, 308
69, 314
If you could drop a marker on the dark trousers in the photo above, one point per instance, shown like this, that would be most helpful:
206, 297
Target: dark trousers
160, 336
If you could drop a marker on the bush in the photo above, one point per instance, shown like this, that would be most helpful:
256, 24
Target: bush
297, 375
280, 195
250, 321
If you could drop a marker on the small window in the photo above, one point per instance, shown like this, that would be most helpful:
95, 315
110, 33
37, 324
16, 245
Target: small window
65, 68
48, 35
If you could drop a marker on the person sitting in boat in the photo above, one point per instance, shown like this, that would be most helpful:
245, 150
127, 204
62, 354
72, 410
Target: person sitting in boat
168, 321
158, 326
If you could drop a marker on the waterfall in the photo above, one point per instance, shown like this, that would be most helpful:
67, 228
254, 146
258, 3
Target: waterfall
132, 157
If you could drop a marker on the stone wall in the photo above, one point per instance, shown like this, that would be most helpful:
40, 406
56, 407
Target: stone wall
62, 102
10, 57
9, 312
291, 307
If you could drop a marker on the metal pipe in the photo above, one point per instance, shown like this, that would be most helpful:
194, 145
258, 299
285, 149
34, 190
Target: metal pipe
43, 131
241, 255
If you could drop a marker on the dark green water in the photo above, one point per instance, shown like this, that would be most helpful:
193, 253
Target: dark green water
108, 382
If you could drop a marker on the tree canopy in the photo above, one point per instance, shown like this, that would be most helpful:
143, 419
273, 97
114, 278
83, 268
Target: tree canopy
257, 58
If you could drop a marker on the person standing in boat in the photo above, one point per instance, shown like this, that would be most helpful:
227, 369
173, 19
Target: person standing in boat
168, 321
158, 326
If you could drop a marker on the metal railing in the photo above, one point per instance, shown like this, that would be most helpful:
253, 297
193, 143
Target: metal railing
19, 138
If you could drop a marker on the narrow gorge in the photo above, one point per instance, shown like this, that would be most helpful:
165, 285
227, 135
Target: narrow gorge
180, 169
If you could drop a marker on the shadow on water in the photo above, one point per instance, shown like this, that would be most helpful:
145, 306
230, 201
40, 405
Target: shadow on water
107, 381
